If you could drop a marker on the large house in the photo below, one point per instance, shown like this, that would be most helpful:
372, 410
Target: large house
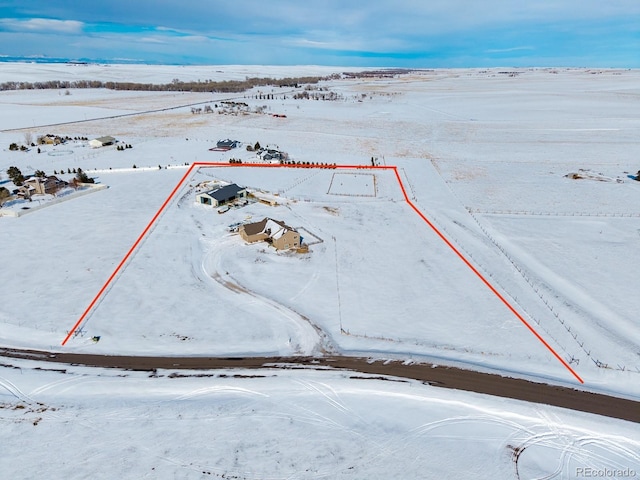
227, 144
271, 155
221, 195
276, 233
50, 140
41, 186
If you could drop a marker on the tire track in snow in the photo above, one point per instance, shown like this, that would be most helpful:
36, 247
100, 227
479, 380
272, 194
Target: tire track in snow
312, 339
442, 376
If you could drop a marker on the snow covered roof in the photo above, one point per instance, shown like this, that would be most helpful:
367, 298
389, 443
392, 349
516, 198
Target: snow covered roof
227, 142
274, 228
105, 140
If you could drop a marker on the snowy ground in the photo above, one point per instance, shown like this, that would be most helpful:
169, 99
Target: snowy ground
483, 155
291, 424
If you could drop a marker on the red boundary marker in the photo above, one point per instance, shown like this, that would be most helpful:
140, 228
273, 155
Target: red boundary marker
329, 167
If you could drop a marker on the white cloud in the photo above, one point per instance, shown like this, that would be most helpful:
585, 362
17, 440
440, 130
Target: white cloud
151, 39
510, 49
45, 25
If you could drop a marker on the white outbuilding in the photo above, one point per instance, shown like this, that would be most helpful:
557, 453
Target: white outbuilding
102, 142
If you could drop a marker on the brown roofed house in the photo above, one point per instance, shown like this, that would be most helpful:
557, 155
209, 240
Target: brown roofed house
274, 232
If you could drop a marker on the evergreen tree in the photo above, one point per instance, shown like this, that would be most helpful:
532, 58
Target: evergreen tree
83, 178
4, 194
15, 175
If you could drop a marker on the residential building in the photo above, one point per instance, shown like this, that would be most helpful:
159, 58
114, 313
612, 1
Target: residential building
275, 232
41, 186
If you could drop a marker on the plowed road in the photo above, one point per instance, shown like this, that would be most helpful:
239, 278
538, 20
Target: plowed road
440, 376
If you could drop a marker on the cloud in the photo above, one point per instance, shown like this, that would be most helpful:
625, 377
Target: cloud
508, 50
286, 31
42, 25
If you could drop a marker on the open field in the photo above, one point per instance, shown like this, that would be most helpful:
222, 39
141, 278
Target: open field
483, 156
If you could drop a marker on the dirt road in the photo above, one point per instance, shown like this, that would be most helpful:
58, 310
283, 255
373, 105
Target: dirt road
440, 376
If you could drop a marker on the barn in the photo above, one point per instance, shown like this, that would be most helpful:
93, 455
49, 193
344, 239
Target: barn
102, 142
220, 196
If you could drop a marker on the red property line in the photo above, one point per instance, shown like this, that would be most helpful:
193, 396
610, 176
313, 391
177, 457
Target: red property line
350, 167
126, 257
484, 280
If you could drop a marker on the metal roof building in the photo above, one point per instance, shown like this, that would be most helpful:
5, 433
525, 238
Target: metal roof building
222, 195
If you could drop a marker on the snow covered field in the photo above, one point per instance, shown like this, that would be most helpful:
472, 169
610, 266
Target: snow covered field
291, 424
484, 155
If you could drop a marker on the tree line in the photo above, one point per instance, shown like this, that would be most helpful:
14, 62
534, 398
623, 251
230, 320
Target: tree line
176, 85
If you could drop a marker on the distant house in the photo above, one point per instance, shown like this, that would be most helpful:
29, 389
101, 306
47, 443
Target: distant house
41, 186
102, 142
221, 195
225, 145
228, 144
270, 155
50, 140
276, 233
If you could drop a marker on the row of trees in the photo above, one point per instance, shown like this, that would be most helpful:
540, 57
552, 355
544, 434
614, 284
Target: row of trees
18, 179
230, 86
329, 96
294, 163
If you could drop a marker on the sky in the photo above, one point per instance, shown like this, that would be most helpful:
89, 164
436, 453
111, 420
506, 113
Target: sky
386, 33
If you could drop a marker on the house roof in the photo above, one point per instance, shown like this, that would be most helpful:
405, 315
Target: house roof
273, 228
106, 139
256, 227
227, 143
225, 193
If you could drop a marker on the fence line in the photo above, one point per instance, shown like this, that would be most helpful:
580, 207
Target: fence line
551, 214
549, 306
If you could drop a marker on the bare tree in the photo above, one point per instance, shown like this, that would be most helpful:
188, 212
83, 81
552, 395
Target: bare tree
28, 138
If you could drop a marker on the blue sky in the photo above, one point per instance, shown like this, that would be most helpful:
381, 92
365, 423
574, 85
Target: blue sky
403, 33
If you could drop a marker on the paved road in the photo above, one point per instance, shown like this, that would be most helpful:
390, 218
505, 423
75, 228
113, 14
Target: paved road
131, 114
440, 376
